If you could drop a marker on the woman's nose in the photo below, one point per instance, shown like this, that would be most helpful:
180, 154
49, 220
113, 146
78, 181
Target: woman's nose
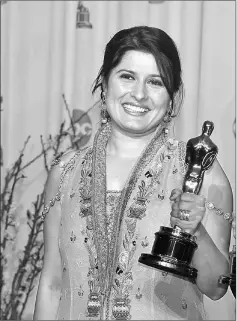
139, 91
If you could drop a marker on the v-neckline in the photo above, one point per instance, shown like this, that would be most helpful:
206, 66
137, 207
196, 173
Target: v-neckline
107, 251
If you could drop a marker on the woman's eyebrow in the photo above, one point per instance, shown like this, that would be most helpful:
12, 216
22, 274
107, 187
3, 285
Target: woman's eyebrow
126, 70
134, 73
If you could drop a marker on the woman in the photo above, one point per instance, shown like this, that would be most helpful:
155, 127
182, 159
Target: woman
116, 194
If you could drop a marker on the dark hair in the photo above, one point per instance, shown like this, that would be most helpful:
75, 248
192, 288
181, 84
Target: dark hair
149, 40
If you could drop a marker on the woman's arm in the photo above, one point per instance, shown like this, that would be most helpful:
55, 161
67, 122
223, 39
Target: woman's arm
212, 256
48, 295
213, 239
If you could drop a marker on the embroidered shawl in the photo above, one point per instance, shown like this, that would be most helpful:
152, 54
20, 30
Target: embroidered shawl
103, 234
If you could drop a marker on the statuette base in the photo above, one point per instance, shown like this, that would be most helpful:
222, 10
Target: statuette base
163, 263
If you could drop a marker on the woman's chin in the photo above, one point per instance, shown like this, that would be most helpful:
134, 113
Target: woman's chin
136, 129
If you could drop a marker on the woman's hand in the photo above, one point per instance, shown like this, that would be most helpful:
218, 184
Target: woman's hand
188, 210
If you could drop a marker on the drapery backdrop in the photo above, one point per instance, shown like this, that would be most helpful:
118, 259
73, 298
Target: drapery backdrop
44, 55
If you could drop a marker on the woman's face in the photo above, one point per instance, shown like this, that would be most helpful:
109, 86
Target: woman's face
136, 98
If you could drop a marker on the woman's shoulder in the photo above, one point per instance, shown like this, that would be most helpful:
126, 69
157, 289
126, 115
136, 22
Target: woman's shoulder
215, 176
69, 157
61, 164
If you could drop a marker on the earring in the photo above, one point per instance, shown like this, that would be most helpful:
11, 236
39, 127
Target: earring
167, 118
166, 131
104, 114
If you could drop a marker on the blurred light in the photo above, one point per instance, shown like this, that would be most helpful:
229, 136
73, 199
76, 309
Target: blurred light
83, 16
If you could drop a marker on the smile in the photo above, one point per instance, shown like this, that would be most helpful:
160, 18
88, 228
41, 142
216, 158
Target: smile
135, 110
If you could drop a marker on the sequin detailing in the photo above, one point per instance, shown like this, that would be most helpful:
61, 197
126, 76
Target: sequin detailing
93, 179
57, 197
108, 252
125, 283
112, 201
182, 156
86, 185
80, 292
73, 237
99, 204
138, 294
93, 306
58, 161
94, 298
121, 309
100, 188
161, 196
145, 242
138, 207
51, 204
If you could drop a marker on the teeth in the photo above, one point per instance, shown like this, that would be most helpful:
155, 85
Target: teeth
135, 109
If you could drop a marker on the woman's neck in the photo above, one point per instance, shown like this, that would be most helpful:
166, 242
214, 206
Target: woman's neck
125, 145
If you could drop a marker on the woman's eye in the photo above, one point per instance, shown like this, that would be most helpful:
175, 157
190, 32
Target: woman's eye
155, 82
127, 76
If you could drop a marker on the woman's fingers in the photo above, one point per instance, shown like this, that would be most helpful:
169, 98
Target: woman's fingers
193, 198
187, 226
192, 214
176, 193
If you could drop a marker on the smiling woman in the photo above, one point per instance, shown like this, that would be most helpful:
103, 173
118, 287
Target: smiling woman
136, 98
164, 63
116, 194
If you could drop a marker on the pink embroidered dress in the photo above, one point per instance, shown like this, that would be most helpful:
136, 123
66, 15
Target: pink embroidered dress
103, 234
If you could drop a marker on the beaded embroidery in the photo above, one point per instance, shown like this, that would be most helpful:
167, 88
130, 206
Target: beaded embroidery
58, 161
51, 204
138, 294
144, 243
109, 264
121, 309
86, 186
66, 168
107, 252
138, 207
182, 156
112, 203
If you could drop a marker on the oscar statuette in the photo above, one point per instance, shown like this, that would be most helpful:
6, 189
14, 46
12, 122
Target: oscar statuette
173, 248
